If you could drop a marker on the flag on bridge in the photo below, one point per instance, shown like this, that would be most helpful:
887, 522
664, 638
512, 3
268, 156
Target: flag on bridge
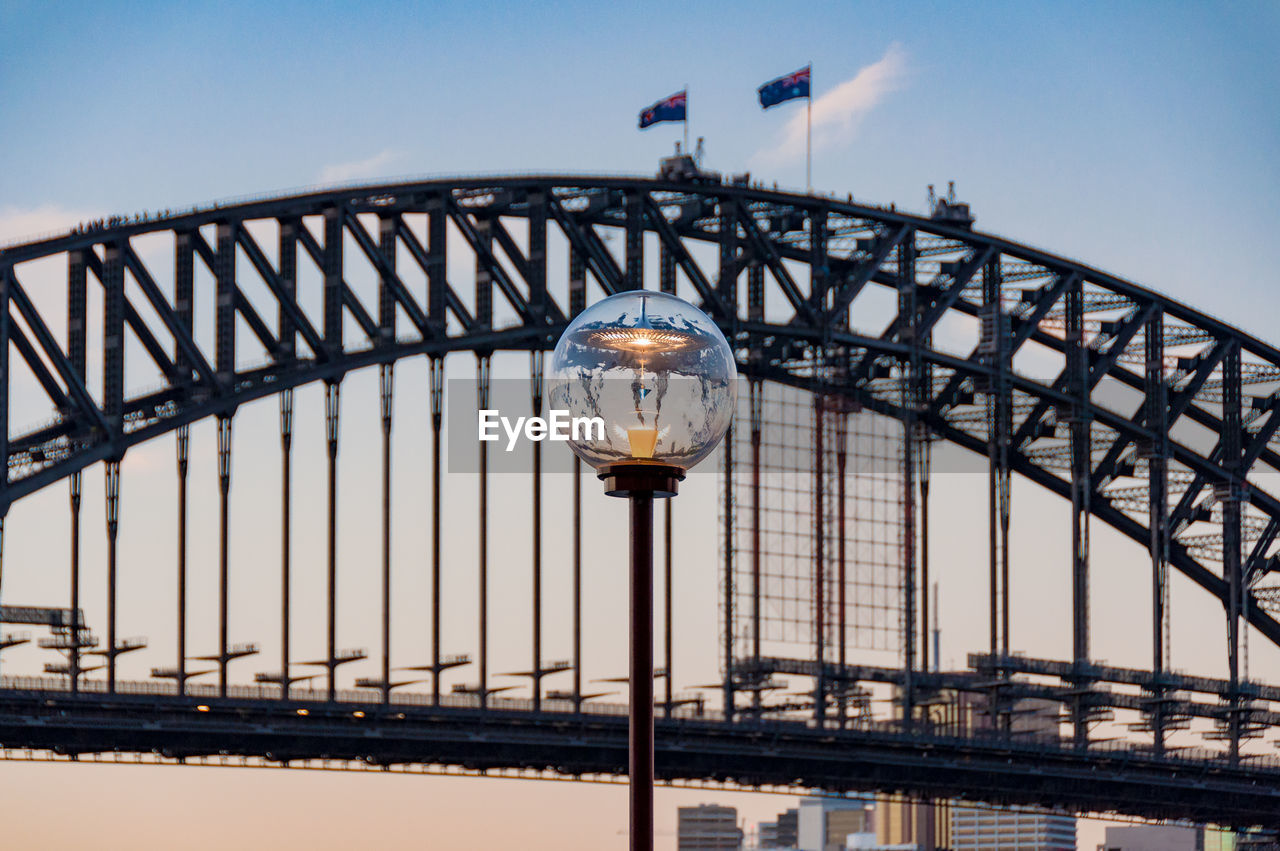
674, 108
789, 87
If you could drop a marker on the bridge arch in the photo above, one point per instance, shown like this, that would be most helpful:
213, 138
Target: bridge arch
1185, 372
1140, 411
1144, 413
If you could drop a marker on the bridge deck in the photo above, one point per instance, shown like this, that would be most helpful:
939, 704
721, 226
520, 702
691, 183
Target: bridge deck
150, 718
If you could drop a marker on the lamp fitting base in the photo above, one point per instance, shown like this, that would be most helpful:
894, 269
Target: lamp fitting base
628, 478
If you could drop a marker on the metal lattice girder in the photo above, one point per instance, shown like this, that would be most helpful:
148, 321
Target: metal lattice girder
853, 250
466, 739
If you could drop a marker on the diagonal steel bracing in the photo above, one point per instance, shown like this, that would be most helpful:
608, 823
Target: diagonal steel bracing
1186, 370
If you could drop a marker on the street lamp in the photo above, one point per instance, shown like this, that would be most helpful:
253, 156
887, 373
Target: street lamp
658, 375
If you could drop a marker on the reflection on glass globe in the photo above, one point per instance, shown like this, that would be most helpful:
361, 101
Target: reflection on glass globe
655, 369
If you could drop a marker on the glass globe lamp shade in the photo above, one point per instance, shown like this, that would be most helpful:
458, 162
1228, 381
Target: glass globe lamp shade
655, 369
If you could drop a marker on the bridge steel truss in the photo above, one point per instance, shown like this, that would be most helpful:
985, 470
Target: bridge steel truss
1154, 418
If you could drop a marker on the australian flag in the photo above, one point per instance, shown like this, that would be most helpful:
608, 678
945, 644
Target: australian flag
793, 85
668, 109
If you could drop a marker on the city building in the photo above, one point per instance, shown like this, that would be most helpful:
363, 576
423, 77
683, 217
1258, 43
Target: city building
781, 834
708, 827
918, 825
974, 829
825, 824
789, 829
868, 842
1166, 837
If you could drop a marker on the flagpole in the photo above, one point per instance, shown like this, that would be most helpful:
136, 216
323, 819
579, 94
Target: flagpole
808, 134
686, 118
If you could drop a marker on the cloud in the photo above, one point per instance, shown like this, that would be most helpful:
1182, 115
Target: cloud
371, 167
19, 224
838, 113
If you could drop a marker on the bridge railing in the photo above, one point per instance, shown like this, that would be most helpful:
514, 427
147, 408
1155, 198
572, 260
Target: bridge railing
362, 697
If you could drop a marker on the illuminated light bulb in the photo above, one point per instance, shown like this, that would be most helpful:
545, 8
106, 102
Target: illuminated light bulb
656, 369
640, 339
642, 441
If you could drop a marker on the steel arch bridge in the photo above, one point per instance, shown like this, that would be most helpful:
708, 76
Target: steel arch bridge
1153, 418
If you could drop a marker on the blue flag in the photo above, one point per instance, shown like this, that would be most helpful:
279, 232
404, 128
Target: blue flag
667, 109
793, 85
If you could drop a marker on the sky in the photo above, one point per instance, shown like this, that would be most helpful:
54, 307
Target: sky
1141, 138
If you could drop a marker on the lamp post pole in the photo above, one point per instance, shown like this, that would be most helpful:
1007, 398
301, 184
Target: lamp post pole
641, 483
640, 762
